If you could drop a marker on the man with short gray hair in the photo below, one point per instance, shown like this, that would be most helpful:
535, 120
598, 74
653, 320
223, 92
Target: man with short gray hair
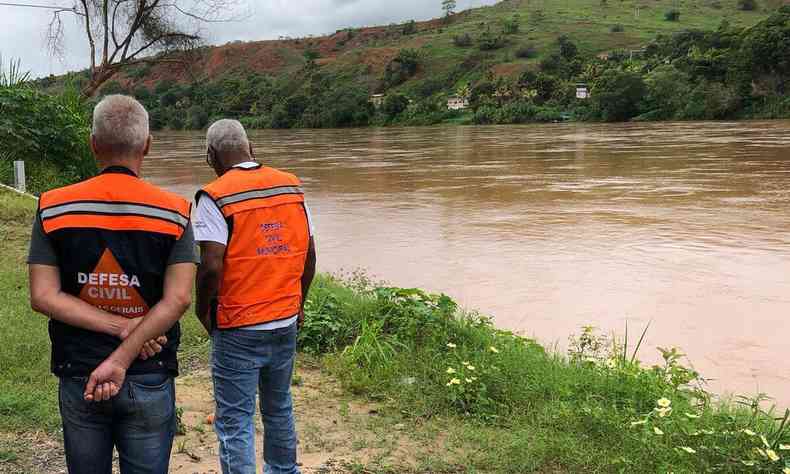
111, 263
258, 261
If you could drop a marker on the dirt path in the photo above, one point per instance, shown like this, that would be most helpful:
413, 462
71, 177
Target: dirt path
338, 433
335, 432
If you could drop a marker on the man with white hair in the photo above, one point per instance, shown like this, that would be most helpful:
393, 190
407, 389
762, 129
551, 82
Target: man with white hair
258, 261
111, 264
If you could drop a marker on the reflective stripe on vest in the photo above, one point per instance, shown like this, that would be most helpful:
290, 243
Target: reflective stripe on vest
114, 201
258, 194
265, 255
114, 209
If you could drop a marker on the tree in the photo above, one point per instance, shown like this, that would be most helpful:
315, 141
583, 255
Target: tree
617, 95
394, 104
123, 33
449, 7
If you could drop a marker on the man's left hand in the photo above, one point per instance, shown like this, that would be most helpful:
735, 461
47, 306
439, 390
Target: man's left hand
300, 319
105, 382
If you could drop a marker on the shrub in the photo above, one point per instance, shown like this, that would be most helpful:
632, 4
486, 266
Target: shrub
402, 67
618, 28
489, 41
747, 5
526, 51
409, 28
394, 105
510, 25
463, 40
672, 15
50, 133
568, 49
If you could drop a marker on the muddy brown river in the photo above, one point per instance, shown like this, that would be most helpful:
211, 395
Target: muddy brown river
549, 228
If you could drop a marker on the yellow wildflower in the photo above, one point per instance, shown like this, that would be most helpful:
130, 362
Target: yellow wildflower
469, 380
664, 402
772, 455
470, 367
786, 470
657, 430
450, 370
451, 345
454, 382
494, 350
664, 412
688, 450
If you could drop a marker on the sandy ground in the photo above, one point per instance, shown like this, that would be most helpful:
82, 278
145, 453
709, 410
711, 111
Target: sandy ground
338, 433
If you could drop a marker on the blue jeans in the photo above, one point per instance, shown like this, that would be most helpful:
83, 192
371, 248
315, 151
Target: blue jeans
140, 422
243, 362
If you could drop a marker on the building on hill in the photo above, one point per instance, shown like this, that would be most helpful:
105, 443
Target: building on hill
457, 103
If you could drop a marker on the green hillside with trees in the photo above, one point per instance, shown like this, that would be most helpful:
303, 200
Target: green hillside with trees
516, 62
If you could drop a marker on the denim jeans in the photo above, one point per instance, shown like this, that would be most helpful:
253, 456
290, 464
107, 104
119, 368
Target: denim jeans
243, 362
140, 422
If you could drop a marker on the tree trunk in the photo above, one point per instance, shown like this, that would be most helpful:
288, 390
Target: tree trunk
98, 78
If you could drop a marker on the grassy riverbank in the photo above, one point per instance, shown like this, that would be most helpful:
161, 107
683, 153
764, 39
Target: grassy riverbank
514, 406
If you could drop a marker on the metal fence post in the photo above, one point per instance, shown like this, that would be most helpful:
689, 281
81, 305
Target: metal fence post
19, 175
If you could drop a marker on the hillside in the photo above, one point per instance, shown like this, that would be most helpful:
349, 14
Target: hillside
442, 56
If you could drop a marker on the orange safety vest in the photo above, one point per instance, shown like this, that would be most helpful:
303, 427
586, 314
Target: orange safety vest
113, 235
114, 201
268, 240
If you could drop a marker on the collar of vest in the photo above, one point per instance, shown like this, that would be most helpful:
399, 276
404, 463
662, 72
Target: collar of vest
244, 168
117, 169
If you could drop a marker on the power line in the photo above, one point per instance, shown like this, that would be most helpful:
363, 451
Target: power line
27, 5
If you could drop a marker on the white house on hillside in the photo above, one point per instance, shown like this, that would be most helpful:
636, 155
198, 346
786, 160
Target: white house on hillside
457, 103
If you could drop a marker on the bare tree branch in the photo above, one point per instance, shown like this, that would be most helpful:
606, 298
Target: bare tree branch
122, 33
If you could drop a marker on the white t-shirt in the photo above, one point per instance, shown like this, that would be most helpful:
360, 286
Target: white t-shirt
210, 226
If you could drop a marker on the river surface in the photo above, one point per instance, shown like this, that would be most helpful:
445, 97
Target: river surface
549, 228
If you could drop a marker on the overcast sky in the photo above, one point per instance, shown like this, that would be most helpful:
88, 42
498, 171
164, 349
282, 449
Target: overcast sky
22, 30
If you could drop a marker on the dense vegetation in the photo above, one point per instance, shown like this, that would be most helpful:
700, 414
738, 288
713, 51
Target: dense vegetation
49, 132
667, 60
595, 410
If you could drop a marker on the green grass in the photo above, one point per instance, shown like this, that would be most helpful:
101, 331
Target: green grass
503, 402
526, 409
28, 393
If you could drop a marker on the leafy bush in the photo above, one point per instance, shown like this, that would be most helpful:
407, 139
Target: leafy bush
49, 133
617, 95
510, 26
747, 5
402, 67
711, 101
394, 105
526, 51
618, 28
489, 41
463, 40
568, 49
